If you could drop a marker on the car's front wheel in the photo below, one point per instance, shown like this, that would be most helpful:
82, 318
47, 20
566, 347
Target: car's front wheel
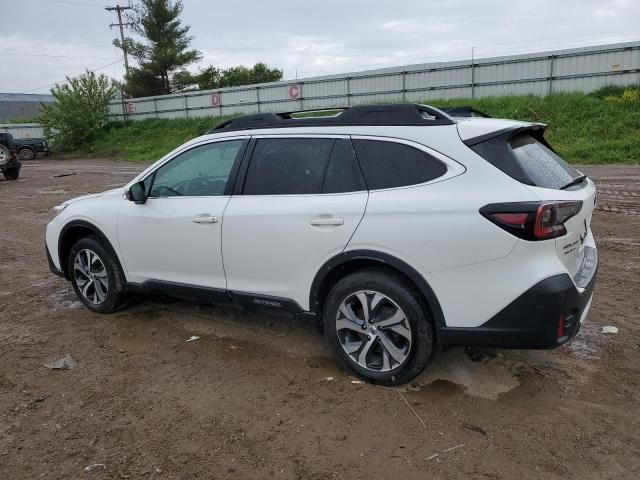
378, 327
96, 275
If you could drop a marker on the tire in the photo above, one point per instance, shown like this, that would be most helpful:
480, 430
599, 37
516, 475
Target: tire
399, 327
101, 287
26, 154
11, 173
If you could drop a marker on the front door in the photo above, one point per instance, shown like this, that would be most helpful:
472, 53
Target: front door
176, 235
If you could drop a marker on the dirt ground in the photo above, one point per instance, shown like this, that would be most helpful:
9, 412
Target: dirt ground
262, 397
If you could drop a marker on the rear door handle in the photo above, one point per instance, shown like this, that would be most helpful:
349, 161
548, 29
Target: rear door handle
205, 218
327, 221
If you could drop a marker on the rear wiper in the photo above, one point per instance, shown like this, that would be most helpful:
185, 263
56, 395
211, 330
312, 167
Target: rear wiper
575, 181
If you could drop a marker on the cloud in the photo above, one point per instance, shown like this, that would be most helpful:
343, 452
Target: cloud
403, 26
313, 38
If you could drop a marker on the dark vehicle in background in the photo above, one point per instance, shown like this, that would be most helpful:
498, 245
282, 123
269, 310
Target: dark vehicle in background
9, 163
28, 148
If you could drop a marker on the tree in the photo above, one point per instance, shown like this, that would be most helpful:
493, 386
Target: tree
80, 110
164, 50
260, 73
212, 77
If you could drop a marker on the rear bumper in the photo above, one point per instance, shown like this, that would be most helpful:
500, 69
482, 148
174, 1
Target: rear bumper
533, 319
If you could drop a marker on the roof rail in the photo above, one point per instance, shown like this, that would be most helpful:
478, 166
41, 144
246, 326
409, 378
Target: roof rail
465, 111
410, 114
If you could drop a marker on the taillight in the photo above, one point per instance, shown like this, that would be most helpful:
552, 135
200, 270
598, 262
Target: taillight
13, 154
532, 220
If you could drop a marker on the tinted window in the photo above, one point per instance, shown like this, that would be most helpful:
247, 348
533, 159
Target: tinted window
542, 166
390, 164
287, 166
200, 172
343, 173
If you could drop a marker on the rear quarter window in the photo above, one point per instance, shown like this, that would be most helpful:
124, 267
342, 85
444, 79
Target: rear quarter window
543, 166
388, 164
527, 157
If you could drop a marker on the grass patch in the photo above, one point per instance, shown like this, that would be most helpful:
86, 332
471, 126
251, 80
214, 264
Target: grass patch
597, 128
147, 140
583, 128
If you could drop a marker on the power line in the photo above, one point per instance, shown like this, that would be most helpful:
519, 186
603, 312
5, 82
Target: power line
65, 80
52, 56
72, 2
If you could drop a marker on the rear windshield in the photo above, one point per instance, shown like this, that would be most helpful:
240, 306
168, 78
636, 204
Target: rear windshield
527, 158
543, 166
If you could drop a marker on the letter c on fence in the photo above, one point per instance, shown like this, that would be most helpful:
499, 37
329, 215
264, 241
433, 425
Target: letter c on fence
294, 91
215, 99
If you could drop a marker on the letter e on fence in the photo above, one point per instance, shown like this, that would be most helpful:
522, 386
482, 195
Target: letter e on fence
131, 107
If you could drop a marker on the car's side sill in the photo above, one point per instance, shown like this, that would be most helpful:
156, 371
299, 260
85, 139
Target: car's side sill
182, 291
217, 296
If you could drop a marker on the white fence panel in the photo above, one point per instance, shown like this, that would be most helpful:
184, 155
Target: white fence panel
580, 69
23, 130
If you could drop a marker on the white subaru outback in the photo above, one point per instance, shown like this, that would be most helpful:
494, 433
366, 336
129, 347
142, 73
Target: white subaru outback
400, 228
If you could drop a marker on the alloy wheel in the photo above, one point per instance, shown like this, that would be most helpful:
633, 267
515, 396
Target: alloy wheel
373, 330
91, 276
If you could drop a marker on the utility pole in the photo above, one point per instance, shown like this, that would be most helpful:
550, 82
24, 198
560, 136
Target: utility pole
473, 73
120, 9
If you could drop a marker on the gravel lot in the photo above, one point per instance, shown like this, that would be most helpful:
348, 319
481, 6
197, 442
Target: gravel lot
261, 397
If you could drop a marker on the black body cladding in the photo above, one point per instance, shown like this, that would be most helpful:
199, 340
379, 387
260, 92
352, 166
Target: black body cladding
531, 320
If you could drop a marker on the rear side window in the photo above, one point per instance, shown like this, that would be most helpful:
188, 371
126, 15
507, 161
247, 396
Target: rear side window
297, 166
288, 166
390, 164
527, 158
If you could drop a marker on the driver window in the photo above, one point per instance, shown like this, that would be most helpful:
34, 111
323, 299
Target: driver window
202, 171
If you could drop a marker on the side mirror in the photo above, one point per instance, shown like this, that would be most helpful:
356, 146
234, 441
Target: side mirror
137, 193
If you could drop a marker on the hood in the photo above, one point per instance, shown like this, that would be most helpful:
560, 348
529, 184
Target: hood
92, 195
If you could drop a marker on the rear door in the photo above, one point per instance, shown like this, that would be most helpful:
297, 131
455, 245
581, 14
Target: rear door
299, 203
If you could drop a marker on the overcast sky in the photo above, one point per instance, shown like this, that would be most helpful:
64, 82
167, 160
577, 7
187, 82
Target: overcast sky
42, 41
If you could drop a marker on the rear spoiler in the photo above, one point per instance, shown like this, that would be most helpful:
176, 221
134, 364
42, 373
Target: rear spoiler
537, 130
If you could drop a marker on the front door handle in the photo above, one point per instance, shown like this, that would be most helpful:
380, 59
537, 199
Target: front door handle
327, 221
205, 218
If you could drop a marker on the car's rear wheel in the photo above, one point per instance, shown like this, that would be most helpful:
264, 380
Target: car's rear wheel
11, 173
26, 154
378, 327
96, 275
